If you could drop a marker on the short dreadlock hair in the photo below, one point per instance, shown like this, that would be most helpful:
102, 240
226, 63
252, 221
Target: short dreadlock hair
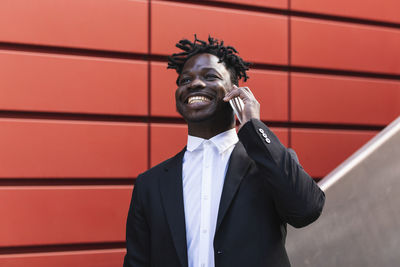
236, 66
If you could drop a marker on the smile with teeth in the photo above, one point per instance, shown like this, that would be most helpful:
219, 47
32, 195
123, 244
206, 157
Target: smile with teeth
195, 99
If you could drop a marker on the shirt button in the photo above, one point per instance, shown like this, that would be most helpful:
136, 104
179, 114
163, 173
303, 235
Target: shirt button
205, 197
203, 265
204, 231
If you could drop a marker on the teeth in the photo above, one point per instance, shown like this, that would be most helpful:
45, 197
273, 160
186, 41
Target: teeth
195, 99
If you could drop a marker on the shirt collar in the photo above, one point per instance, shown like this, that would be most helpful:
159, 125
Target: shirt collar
222, 141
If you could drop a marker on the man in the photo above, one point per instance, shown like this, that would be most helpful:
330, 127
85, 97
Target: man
226, 198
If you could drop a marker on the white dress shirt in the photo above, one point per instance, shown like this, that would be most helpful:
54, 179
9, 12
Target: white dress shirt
204, 168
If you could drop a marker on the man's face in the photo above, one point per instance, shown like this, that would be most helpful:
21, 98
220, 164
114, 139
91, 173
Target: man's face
202, 86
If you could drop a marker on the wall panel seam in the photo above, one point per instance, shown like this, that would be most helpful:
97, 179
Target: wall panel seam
61, 248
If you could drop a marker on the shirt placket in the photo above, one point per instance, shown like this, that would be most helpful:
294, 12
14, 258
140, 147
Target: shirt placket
205, 204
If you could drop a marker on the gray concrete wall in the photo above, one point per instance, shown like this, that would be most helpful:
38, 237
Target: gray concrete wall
360, 224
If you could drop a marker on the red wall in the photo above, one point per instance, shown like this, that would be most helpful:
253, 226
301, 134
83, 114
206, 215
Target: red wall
86, 103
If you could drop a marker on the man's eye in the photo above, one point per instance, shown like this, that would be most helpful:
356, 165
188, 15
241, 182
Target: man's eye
184, 80
211, 77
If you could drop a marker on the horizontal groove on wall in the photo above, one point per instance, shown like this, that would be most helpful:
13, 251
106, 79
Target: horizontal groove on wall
16, 114
153, 119
163, 58
60, 248
65, 181
288, 12
349, 73
58, 50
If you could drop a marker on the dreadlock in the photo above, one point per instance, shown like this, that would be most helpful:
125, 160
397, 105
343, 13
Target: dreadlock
226, 54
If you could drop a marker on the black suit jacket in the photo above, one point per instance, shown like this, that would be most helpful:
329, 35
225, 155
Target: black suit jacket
264, 189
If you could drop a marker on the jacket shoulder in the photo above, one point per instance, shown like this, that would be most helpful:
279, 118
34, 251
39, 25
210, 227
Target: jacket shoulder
159, 169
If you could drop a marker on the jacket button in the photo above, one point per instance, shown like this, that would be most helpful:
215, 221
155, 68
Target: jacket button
219, 252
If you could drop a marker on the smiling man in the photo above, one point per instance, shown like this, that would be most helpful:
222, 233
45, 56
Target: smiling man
226, 198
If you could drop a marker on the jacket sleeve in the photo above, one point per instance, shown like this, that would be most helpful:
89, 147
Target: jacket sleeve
137, 231
298, 199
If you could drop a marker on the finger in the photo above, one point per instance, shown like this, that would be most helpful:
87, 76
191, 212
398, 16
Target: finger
237, 92
232, 94
232, 90
244, 94
247, 89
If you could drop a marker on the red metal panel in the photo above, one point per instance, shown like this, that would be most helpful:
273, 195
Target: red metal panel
169, 139
320, 151
271, 3
336, 45
59, 83
163, 88
364, 9
87, 258
71, 149
232, 26
100, 24
40, 215
166, 140
270, 89
337, 99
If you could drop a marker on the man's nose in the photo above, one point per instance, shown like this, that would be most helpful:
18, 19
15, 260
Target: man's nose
197, 83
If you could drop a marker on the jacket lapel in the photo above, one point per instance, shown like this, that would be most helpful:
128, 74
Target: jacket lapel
238, 165
172, 197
